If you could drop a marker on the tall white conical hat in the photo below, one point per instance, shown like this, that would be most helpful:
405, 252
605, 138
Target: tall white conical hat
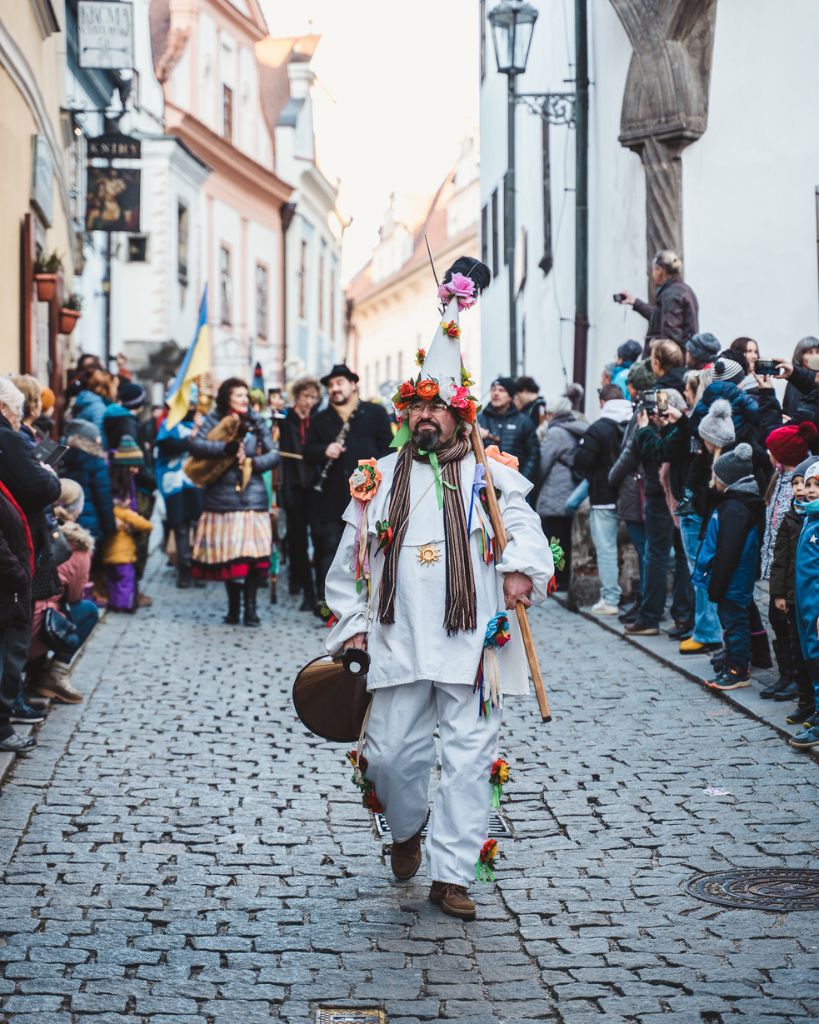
442, 361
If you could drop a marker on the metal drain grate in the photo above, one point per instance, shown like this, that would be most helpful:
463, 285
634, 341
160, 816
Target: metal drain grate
498, 828
350, 1015
775, 889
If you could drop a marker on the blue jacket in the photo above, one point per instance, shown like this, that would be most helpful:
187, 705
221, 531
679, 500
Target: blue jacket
807, 581
85, 462
744, 409
90, 406
619, 376
728, 560
118, 421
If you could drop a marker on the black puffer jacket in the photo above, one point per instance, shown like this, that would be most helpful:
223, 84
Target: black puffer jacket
514, 433
34, 487
674, 313
599, 449
16, 563
225, 495
782, 581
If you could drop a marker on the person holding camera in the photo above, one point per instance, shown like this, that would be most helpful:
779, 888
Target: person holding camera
597, 451
674, 314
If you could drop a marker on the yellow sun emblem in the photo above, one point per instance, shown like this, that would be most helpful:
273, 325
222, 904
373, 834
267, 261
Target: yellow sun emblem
429, 554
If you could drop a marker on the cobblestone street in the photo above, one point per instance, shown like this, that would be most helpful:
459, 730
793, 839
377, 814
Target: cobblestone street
178, 850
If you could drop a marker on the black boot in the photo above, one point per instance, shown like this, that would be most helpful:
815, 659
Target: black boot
251, 587
234, 592
760, 650
308, 601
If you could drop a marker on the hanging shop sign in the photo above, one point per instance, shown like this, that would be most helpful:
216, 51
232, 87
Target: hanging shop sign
106, 34
113, 185
42, 179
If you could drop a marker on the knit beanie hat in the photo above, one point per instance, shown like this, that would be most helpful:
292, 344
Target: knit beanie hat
507, 383
641, 377
812, 470
47, 399
804, 466
717, 427
728, 369
72, 497
629, 351
128, 453
735, 465
83, 428
790, 444
703, 347
130, 395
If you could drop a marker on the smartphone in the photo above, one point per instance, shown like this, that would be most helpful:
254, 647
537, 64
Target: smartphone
662, 403
619, 297
767, 367
56, 455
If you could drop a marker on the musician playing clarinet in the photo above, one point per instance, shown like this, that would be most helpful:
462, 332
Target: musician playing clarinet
347, 431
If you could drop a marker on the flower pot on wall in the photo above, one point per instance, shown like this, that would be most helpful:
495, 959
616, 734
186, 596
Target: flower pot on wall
68, 320
46, 286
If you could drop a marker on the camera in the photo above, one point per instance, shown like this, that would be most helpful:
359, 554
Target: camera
767, 367
619, 297
654, 402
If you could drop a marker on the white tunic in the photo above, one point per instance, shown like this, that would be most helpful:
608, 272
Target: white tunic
416, 646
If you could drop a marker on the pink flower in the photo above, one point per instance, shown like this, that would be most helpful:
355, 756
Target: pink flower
459, 398
461, 287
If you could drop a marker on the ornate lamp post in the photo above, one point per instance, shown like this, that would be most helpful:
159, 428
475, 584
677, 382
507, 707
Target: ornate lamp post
513, 23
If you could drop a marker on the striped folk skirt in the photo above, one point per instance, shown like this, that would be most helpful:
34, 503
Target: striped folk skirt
232, 545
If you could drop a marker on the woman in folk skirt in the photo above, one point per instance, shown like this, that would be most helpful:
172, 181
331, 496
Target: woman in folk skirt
234, 537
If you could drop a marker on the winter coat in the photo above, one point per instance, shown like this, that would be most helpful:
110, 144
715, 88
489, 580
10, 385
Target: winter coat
619, 377
118, 422
769, 416
744, 409
674, 313
599, 448
183, 499
671, 444
16, 563
801, 400
782, 580
534, 410
807, 581
90, 406
626, 477
120, 548
223, 495
674, 380
556, 457
33, 486
369, 437
297, 476
85, 462
728, 560
73, 574
779, 503
514, 433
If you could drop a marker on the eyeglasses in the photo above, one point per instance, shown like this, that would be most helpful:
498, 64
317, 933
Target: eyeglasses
436, 405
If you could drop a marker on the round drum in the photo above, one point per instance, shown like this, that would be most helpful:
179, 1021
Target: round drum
330, 701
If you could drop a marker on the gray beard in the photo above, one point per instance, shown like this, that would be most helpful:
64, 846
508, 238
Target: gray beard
427, 439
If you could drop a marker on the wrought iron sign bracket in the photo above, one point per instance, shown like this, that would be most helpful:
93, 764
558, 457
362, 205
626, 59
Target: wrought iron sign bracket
553, 107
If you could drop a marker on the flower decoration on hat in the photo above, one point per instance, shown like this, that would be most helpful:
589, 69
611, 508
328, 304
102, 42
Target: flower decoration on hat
442, 374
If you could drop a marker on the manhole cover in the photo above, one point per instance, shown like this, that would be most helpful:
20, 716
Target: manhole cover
350, 1015
777, 889
498, 828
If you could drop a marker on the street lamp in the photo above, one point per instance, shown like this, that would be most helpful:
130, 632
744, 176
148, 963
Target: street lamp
513, 23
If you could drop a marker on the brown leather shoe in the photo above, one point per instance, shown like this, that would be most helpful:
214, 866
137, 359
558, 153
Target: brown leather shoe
143, 601
405, 858
453, 900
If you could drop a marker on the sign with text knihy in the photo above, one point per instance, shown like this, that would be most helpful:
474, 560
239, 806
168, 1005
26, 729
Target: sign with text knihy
106, 34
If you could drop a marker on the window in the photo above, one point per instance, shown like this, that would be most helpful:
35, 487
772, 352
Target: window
225, 286
227, 112
182, 243
495, 264
303, 280
484, 235
262, 290
546, 260
137, 248
482, 17
322, 250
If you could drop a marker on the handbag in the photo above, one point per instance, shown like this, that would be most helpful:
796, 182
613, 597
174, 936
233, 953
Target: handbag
58, 546
60, 633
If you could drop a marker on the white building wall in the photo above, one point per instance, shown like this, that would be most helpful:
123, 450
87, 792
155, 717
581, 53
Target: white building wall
749, 212
206, 100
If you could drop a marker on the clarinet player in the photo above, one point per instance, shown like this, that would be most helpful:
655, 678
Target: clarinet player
349, 429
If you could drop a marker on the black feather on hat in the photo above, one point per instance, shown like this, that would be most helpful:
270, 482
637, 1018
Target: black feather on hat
476, 271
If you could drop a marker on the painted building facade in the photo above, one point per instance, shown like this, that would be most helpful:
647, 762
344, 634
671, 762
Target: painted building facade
744, 202
392, 300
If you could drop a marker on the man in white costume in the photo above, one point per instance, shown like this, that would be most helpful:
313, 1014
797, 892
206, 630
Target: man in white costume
422, 539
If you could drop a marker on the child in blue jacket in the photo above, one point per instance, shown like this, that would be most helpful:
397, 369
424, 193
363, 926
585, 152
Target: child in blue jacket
728, 560
807, 598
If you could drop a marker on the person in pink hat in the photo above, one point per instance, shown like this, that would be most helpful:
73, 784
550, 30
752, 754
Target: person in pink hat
787, 447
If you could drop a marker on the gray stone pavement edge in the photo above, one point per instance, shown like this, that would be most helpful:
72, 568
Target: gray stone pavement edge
179, 850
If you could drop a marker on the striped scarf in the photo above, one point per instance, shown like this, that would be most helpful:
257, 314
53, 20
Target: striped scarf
460, 611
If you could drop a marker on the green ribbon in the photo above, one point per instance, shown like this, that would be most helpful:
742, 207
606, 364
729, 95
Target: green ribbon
401, 437
436, 470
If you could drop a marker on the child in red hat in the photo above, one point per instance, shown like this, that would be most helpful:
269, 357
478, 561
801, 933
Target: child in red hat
787, 447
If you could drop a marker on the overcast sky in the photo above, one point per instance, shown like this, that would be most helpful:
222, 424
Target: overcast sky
397, 90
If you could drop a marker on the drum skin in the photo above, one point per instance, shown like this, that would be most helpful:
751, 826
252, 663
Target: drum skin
329, 701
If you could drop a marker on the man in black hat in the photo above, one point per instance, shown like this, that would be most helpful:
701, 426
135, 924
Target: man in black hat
510, 429
347, 431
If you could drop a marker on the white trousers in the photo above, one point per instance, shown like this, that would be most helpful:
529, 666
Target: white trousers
400, 750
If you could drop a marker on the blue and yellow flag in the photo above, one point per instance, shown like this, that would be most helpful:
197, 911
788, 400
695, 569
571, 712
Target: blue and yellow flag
196, 362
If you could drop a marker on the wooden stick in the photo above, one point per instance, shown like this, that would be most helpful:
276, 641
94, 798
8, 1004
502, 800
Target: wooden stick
500, 540
290, 455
